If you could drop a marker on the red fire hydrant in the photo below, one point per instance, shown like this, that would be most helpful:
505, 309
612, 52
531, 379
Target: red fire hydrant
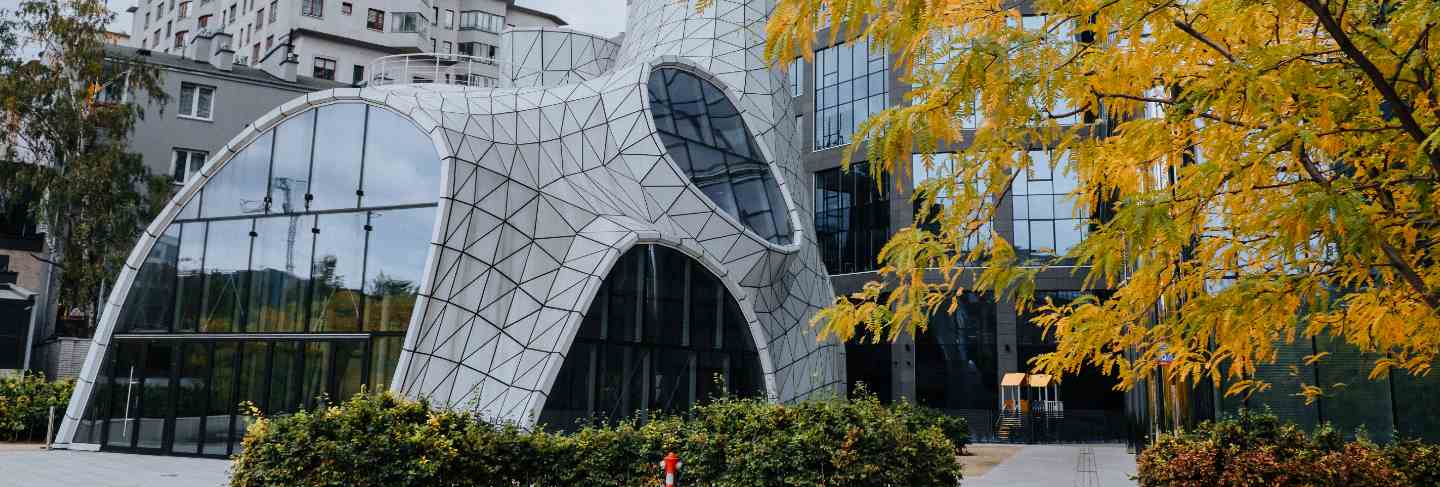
671, 466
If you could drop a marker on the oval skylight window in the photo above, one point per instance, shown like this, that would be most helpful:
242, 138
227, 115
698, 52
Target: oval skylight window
705, 135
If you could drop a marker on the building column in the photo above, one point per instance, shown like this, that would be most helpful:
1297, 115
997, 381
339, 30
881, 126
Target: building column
1007, 353
902, 368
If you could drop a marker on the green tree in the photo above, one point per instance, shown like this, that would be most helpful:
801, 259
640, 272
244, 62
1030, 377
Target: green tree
64, 125
1267, 171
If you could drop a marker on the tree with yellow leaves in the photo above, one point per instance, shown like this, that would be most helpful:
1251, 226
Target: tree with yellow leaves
1263, 171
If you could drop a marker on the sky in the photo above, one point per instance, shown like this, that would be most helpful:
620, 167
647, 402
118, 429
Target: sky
605, 17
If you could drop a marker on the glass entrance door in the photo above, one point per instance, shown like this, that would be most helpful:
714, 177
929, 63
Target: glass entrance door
140, 396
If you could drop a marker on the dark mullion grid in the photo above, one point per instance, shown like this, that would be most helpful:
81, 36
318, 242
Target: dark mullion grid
307, 296
364, 136
209, 393
232, 408
244, 305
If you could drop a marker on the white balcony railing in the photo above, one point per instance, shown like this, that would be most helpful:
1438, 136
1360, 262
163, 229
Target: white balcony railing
451, 69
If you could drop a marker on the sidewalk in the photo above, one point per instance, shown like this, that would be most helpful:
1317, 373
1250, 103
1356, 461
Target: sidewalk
29, 466
1055, 466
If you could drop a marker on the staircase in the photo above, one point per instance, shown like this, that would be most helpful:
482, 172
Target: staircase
1010, 427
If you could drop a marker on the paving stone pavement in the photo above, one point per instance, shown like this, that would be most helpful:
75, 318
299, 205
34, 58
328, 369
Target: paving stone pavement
1056, 466
33, 467
28, 466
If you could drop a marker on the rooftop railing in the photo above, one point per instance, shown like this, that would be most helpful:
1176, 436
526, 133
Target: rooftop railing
451, 69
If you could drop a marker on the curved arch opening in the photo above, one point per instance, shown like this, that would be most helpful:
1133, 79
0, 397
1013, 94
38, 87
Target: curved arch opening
661, 335
290, 273
707, 138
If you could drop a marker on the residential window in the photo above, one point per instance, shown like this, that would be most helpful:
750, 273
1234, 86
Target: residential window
324, 68
269, 43
185, 163
180, 39
255, 54
260, 19
184, 10
375, 20
357, 74
274, 10
231, 19
312, 8
483, 81
478, 49
406, 22
449, 47
450, 19
850, 84
1048, 219
346, 8
434, 15
852, 218
477, 20
147, 21
196, 101
433, 46
204, 21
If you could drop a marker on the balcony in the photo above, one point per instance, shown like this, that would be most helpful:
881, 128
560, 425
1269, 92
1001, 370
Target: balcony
450, 69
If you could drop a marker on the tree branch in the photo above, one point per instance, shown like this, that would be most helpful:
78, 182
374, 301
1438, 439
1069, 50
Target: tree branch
1402, 110
1201, 37
1406, 271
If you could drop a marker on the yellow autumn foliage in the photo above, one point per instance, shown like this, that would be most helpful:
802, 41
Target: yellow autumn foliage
1264, 170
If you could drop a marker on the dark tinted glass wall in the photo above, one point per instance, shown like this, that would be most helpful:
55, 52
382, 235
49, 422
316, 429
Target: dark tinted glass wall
289, 237
955, 357
705, 135
852, 218
851, 83
661, 335
1094, 410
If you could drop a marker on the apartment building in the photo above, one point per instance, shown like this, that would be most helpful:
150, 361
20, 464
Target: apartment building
335, 40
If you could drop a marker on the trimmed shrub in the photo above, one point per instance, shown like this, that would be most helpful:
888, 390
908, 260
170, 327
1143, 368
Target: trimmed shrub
25, 402
1257, 449
374, 440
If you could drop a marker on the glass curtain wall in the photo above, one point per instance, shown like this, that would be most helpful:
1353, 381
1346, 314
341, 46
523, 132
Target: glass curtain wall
851, 83
955, 362
852, 218
1048, 220
662, 334
289, 278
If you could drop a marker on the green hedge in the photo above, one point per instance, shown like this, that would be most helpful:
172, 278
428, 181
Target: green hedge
25, 402
374, 440
1257, 449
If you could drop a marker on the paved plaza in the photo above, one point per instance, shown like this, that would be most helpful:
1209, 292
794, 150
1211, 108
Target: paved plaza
1015, 466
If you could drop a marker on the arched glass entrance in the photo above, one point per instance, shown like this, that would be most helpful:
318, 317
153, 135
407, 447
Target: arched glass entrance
662, 334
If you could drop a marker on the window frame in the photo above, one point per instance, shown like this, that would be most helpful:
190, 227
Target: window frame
194, 108
371, 17
330, 64
347, 8
191, 169
313, 8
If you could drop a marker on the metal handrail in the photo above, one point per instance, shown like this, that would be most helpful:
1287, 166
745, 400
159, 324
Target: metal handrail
431, 67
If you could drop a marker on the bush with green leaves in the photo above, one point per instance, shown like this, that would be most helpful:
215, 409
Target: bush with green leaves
380, 439
1258, 449
25, 402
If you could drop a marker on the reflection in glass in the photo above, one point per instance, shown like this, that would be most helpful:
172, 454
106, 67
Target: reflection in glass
254, 368
149, 305
850, 85
386, 353
239, 188
227, 251
290, 170
155, 401
278, 275
349, 371
955, 357
401, 166
609, 374
336, 171
1047, 219
126, 382
337, 272
223, 403
190, 397
190, 276
285, 375
852, 218
705, 135
316, 375
395, 265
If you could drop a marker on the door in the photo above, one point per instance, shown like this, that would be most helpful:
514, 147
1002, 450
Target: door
141, 391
